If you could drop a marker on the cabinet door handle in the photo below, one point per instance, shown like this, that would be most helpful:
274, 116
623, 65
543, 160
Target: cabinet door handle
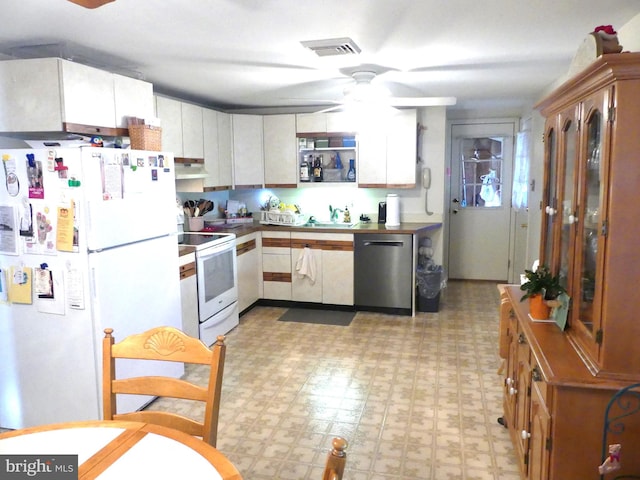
521, 339
525, 435
513, 391
536, 376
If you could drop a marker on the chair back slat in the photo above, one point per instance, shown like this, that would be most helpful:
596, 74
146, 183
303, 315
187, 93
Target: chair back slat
160, 387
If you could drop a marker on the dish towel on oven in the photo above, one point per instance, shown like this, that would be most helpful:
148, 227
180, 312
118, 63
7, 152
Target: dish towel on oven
306, 265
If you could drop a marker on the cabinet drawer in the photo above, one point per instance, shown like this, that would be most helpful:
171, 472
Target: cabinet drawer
187, 270
245, 247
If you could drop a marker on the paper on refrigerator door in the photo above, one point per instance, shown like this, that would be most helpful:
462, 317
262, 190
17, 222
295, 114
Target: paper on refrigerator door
75, 292
8, 230
20, 285
3, 285
54, 303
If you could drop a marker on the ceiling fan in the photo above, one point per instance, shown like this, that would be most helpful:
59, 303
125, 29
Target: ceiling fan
91, 3
365, 91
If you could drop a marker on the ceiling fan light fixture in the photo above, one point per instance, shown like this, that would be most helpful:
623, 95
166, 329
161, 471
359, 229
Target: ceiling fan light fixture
363, 90
91, 3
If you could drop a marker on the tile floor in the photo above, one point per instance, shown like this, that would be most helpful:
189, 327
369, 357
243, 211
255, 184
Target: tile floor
417, 398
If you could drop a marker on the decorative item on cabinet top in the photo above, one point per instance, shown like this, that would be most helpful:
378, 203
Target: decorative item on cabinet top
543, 291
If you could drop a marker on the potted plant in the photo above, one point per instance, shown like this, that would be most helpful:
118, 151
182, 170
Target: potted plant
541, 287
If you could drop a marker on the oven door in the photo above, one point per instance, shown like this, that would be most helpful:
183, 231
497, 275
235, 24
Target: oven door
217, 278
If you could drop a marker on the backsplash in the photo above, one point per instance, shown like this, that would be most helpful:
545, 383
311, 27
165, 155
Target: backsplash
316, 201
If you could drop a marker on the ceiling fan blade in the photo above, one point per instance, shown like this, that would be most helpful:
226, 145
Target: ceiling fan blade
331, 109
91, 3
421, 101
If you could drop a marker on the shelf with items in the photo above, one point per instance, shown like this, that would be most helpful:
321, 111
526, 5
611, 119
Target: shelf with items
326, 158
327, 166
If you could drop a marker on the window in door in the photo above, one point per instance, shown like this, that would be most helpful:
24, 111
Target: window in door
481, 169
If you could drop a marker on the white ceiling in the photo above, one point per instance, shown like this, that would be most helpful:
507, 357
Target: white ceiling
247, 53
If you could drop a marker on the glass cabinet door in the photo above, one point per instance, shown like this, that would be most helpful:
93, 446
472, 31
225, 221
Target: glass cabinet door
589, 223
566, 206
549, 194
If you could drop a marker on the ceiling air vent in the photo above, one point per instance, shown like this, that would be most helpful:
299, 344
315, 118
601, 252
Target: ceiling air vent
332, 46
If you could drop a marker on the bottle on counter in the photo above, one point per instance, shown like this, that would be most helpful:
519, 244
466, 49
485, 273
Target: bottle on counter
338, 161
304, 170
351, 174
317, 169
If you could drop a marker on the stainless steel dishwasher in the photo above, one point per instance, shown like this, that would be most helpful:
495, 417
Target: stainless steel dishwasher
383, 268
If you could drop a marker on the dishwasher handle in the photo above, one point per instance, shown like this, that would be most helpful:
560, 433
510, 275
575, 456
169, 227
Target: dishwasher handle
382, 243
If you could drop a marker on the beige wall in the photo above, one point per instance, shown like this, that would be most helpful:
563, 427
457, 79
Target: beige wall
629, 35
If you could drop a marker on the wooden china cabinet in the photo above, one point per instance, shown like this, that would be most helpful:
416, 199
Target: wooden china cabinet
558, 383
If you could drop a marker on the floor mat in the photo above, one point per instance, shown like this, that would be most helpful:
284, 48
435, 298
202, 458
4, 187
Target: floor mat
319, 317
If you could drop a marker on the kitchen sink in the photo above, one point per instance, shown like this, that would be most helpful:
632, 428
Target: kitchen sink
330, 225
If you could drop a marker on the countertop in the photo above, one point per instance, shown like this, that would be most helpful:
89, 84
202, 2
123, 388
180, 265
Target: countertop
408, 228
248, 228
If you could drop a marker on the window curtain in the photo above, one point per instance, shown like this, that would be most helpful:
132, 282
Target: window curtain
520, 190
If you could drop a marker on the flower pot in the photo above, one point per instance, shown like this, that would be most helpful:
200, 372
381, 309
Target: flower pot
538, 308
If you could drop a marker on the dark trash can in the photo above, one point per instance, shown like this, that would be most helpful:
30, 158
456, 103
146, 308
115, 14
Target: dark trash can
429, 284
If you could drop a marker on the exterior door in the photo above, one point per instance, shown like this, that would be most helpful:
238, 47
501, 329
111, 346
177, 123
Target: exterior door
480, 200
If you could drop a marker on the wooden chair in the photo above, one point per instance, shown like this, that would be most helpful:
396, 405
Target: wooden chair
166, 344
336, 460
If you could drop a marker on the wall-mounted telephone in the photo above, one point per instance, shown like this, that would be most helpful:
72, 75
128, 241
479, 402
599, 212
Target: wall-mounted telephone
426, 177
426, 184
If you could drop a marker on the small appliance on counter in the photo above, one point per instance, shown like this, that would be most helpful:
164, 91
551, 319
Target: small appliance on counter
382, 212
393, 211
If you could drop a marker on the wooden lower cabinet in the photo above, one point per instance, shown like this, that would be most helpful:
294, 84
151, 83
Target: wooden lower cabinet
553, 406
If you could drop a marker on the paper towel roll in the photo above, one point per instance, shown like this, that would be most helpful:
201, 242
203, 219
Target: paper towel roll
393, 211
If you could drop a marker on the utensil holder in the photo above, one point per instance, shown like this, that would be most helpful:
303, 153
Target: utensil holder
194, 224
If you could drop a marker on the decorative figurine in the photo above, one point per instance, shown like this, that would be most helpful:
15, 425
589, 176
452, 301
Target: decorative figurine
609, 39
612, 462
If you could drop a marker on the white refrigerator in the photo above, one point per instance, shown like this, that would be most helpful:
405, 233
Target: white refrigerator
87, 241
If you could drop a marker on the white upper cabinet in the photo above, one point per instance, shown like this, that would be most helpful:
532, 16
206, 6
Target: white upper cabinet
311, 122
387, 153
402, 149
324, 122
133, 98
88, 95
280, 151
339, 122
182, 127
372, 158
217, 149
169, 111
47, 94
192, 131
225, 149
248, 153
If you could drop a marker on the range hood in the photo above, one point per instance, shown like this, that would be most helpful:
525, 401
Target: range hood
190, 168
